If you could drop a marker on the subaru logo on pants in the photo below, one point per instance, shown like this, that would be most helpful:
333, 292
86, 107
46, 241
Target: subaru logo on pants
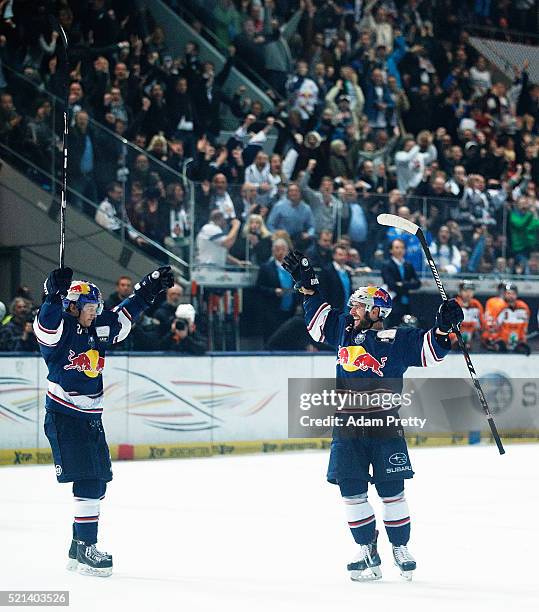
398, 459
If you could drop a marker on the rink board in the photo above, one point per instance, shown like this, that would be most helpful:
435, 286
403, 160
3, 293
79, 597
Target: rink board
173, 406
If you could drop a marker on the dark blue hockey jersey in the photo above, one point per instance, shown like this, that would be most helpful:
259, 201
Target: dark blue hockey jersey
376, 354
75, 356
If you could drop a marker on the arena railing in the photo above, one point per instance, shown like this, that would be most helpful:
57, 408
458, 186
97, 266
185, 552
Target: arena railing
202, 201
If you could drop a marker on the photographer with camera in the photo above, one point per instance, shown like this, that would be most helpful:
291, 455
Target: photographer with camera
182, 336
17, 334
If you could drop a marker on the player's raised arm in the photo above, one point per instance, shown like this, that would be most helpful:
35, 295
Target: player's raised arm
426, 349
321, 319
145, 292
49, 325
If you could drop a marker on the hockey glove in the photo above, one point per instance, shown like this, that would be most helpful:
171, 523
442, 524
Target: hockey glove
58, 282
299, 267
449, 316
152, 284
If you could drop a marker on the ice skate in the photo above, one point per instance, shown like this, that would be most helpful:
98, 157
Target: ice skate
366, 565
92, 562
72, 562
404, 561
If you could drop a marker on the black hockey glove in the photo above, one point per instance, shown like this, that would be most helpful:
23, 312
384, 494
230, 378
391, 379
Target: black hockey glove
300, 269
58, 282
152, 284
449, 315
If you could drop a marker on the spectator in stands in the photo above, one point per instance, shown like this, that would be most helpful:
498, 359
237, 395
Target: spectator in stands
110, 212
400, 278
12, 332
446, 255
357, 227
275, 286
11, 122
339, 161
40, 138
250, 46
154, 222
177, 209
213, 242
328, 211
254, 243
181, 334
258, 174
410, 165
347, 90
277, 53
82, 145
336, 279
379, 103
413, 253
320, 253
209, 95
524, 224
141, 172
293, 215
302, 91
165, 313
124, 288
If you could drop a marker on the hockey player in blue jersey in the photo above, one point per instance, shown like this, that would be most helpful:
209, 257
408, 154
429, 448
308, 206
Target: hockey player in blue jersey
371, 357
74, 332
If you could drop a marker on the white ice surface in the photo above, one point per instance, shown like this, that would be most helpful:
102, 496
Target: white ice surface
265, 532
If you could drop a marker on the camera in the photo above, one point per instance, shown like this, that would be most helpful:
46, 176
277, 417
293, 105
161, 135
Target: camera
180, 324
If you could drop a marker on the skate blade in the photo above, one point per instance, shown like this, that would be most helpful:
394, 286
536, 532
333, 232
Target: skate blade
72, 565
101, 572
407, 575
367, 575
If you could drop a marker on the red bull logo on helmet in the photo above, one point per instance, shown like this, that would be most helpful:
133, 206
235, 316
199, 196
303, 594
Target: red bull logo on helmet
353, 358
90, 362
380, 293
80, 287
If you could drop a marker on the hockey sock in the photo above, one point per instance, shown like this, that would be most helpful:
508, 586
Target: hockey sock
87, 495
396, 512
359, 512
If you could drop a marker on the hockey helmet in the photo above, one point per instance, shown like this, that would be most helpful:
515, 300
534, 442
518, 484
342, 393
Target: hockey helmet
372, 297
81, 293
466, 284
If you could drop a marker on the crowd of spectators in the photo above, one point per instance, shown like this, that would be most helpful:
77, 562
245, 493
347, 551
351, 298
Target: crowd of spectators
378, 106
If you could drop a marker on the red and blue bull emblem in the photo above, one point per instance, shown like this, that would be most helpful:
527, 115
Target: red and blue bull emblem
90, 362
353, 358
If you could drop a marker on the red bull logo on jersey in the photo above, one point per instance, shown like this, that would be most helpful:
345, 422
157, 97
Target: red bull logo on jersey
90, 362
353, 358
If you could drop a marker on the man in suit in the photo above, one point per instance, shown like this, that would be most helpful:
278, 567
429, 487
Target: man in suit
335, 279
400, 278
275, 287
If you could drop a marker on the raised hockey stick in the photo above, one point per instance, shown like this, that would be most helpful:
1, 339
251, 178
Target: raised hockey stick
415, 230
56, 26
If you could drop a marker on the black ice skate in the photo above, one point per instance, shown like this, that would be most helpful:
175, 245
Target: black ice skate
72, 563
92, 562
366, 564
404, 561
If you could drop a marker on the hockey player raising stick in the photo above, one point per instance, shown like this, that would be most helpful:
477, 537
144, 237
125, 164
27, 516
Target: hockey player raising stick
74, 332
369, 355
